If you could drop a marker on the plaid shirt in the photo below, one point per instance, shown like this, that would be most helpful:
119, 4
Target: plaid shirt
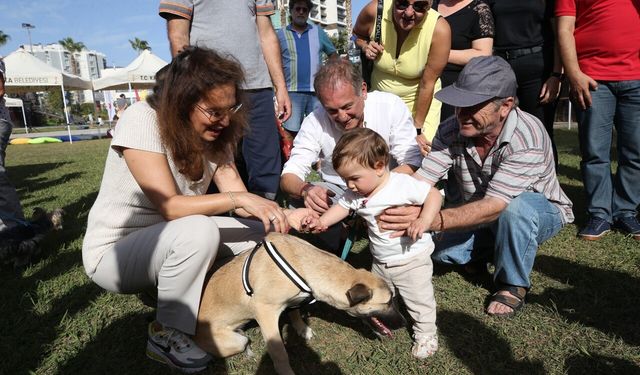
520, 161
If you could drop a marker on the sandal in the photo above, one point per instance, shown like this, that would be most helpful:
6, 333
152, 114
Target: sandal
515, 299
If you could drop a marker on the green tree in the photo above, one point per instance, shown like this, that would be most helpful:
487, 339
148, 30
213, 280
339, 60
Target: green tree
4, 38
139, 45
340, 41
72, 46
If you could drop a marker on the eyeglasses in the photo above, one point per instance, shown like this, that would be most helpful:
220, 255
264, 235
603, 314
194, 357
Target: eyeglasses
418, 6
217, 114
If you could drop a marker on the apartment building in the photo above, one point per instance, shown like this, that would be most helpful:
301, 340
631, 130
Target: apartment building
86, 64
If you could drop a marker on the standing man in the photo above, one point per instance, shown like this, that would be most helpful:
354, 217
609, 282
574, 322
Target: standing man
508, 199
10, 209
301, 46
243, 30
600, 48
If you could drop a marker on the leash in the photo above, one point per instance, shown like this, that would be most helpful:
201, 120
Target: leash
284, 266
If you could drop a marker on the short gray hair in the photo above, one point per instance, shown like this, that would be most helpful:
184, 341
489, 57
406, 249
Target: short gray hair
337, 71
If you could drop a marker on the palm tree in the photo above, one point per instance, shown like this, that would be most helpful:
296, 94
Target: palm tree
4, 38
139, 45
72, 46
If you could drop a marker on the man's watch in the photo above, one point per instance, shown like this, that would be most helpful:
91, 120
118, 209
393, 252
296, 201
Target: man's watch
419, 131
558, 75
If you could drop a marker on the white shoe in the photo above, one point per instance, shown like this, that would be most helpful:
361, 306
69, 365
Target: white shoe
176, 349
424, 346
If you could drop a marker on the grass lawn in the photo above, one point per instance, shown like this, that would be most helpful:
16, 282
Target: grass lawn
582, 316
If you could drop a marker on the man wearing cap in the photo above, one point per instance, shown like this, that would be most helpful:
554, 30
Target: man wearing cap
505, 199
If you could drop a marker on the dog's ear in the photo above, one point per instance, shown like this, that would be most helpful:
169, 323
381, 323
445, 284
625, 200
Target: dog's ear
358, 293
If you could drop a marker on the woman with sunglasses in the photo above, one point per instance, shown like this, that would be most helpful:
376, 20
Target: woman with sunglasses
414, 48
152, 227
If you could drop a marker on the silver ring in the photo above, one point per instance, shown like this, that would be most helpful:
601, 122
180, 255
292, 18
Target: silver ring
273, 218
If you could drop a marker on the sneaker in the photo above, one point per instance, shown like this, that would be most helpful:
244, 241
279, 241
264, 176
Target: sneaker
176, 349
424, 347
595, 228
628, 225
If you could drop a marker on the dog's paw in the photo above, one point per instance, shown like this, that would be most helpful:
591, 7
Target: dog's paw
248, 352
305, 332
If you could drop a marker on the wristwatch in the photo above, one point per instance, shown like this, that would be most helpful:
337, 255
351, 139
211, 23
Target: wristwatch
558, 75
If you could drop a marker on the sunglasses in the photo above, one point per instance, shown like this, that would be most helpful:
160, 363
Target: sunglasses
217, 114
418, 6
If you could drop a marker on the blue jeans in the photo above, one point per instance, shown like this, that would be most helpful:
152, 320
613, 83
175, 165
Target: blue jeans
302, 103
614, 104
261, 145
511, 242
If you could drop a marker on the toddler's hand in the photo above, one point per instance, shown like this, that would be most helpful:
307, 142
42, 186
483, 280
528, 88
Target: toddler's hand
417, 228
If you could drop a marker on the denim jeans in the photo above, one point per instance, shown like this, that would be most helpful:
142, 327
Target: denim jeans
614, 104
261, 145
511, 242
302, 103
10, 208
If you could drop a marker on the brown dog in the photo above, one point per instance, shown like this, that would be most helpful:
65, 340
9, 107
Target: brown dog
226, 306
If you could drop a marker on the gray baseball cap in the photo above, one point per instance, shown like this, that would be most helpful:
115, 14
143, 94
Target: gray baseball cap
482, 79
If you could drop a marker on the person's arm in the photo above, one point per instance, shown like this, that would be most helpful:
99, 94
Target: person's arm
580, 82
363, 29
332, 216
551, 87
430, 208
1, 86
178, 33
271, 51
436, 61
479, 47
483, 211
315, 197
402, 137
152, 173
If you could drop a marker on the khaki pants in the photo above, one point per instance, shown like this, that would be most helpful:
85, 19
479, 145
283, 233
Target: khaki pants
174, 257
412, 279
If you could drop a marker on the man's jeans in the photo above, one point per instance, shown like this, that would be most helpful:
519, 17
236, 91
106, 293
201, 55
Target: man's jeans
511, 242
10, 208
614, 103
302, 104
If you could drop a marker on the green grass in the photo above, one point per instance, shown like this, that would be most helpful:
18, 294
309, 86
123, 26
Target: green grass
582, 315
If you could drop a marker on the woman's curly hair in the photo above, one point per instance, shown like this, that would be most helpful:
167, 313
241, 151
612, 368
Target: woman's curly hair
180, 85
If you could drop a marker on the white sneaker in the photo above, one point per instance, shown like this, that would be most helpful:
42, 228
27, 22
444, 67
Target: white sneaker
176, 349
424, 346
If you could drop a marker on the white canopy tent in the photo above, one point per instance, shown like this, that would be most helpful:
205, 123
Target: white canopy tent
15, 102
139, 74
26, 73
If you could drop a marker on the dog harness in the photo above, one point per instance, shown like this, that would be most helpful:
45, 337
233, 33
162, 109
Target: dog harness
284, 266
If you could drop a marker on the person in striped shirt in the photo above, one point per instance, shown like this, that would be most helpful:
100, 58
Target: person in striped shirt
302, 45
503, 197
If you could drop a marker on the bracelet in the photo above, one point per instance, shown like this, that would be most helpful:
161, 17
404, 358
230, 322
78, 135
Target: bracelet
558, 75
233, 201
304, 188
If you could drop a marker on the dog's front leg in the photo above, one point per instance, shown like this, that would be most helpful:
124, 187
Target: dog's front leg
267, 317
299, 325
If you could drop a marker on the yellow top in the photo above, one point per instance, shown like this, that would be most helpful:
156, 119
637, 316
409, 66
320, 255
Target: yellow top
402, 76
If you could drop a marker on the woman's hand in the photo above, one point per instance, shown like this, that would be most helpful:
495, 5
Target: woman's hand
263, 209
297, 217
424, 144
550, 90
372, 50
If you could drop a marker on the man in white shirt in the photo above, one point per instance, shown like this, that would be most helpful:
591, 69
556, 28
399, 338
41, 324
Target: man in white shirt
345, 105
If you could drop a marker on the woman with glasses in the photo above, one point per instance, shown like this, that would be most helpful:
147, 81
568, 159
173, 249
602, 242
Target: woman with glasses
414, 49
152, 227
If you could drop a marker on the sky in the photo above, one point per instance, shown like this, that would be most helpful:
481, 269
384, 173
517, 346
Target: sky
104, 26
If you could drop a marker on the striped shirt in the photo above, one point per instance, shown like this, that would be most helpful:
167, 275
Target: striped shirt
520, 161
302, 55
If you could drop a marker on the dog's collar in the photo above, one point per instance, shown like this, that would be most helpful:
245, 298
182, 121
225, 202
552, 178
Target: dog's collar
284, 266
